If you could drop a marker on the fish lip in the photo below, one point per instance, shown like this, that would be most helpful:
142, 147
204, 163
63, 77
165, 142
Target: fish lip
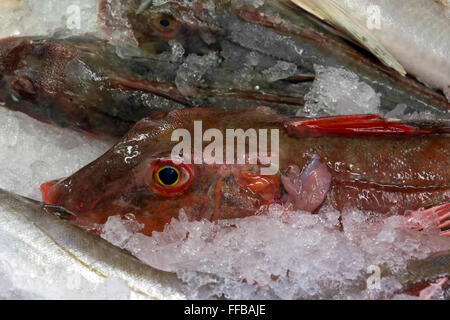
8, 46
49, 203
45, 188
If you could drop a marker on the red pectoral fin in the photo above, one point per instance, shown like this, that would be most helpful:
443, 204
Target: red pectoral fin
365, 125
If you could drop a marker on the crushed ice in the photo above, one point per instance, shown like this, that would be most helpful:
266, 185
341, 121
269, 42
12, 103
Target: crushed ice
190, 74
31, 17
281, 70
287, 255
35, 152
401, 112
337, 91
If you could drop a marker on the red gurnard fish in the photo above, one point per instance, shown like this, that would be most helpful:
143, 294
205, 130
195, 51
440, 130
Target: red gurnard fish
364, 162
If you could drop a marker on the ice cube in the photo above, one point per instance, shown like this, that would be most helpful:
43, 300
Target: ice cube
35, 152
281, 70
337, 91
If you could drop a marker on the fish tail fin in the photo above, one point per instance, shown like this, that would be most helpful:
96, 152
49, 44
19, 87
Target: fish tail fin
428, 289
434, 289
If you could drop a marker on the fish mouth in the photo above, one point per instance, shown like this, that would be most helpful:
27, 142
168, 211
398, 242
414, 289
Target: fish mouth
11, 51
48, 195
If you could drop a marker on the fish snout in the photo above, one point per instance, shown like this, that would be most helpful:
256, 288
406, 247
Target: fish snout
49, 192
11, 52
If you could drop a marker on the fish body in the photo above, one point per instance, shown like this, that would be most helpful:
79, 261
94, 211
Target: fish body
203, 26
232, 57
363, 162
38, 244
417, 35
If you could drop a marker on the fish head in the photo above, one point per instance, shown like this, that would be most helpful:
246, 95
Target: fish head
143, 177
190, 24
34, 78
18, 80
47, 79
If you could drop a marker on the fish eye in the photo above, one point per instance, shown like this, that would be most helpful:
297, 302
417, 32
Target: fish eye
166, 25
164, 22
168, 176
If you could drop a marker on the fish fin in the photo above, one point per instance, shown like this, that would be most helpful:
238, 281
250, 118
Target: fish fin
312, 7
307, 189
331, 11
434, 289
361, 125
440, 213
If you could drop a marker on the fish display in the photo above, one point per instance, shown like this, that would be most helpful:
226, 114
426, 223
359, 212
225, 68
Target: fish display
232, 57
412, 38
361, 161
203, 96
45, 241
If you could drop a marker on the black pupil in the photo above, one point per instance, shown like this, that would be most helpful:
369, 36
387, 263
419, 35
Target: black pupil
168, 176
165, 23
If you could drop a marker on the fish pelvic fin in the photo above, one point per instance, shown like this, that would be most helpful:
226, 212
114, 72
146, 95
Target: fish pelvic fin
332, 12
440, 215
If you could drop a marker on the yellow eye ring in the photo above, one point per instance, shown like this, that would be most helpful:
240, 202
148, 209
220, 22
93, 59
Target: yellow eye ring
169, 176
